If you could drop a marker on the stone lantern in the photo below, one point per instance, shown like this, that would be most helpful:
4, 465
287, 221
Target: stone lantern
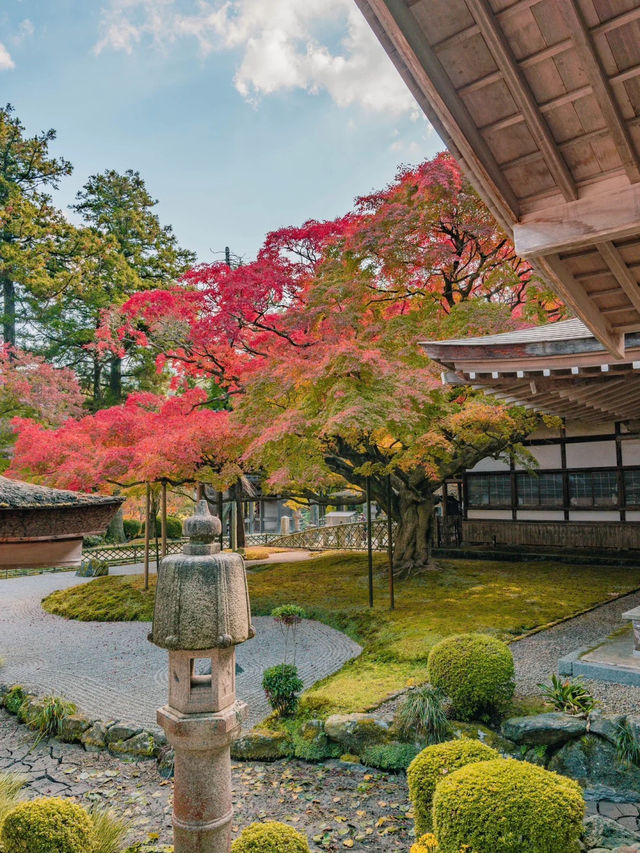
201, 613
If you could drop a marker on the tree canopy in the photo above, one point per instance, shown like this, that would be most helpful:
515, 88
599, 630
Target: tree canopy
313, 347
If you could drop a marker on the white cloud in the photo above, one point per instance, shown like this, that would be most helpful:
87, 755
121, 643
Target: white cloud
6, 63
279, 43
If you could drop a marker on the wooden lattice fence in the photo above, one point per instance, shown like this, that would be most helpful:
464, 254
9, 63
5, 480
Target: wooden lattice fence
341, 537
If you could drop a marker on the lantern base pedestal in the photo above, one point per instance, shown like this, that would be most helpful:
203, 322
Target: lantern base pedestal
202, 801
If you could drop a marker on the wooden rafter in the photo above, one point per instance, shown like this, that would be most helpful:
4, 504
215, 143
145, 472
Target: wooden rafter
522, 95
447, 110
620, 270
602, 90
575, 296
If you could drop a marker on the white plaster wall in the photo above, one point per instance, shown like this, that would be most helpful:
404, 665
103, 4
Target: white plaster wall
593, 454
577, 428
631, 451
547, 456
545, 432
633, 515
540, 515
491, 465
594, 515
499, 514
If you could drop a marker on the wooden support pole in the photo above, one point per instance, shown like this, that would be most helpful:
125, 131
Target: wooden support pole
220, 516
164, 518
369, 542
146, 535
392, 598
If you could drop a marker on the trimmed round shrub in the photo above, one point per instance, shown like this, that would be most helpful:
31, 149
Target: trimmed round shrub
270, 837
508, 806
475, 672
48, 825
435, 763
427, 844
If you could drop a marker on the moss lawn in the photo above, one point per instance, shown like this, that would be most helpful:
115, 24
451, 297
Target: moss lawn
502, 599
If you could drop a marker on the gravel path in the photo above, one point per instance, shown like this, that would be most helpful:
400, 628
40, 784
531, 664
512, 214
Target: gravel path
536, 657
110, 670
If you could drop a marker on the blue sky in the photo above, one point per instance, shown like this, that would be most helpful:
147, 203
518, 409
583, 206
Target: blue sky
242, 116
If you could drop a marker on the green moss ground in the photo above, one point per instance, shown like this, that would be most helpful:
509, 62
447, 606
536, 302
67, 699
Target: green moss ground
503, 599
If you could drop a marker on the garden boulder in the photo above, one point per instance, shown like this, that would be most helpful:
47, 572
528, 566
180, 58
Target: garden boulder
355, 732
605, 833
73, 726
95, 737
592, 760
544, 729
261, 745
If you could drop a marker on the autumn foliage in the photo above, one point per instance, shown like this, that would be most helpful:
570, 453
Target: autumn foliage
312, 348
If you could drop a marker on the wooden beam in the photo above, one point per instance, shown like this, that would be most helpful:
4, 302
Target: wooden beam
544, 107
393, 22
572, 292
518, 85
627, 282
605, 215
594, 70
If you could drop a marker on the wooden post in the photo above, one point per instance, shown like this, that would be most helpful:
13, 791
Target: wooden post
392, 599
146, 536
163, 515
369, 542
220, 516
233, 524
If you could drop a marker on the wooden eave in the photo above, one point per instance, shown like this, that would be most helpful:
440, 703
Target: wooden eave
539, 100
575, 378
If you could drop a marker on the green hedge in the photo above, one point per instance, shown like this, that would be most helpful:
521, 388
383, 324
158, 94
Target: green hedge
508, 806
48, 825
270, 837
475, 672
435, 763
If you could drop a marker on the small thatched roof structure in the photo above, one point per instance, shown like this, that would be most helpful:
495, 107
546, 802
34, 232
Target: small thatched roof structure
14, 494
45, 527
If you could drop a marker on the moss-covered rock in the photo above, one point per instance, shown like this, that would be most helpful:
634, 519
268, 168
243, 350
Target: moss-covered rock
261, 745
94, 738
476, 731
355, 732
47, 825
594, 761
604, 832
550, 729
13, 698
506, 806
435, 763
139, 746
73, 726
312, 744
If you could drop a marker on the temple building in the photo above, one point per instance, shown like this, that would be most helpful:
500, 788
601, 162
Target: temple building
42, 527
588, 468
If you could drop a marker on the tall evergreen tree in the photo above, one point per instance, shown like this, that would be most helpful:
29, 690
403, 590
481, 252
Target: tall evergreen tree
32, 230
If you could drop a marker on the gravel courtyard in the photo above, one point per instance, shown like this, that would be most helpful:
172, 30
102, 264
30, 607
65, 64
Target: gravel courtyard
536, 657
110, 670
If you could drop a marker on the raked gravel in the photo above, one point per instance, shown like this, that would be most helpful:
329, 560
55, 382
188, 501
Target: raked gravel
536, 657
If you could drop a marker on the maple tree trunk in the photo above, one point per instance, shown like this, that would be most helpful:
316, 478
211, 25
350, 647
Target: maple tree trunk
115, 380
412, 544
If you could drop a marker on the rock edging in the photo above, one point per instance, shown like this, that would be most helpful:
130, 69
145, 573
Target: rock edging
119, 737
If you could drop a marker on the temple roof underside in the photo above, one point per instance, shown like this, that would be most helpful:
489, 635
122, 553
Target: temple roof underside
539, 100
560, 369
